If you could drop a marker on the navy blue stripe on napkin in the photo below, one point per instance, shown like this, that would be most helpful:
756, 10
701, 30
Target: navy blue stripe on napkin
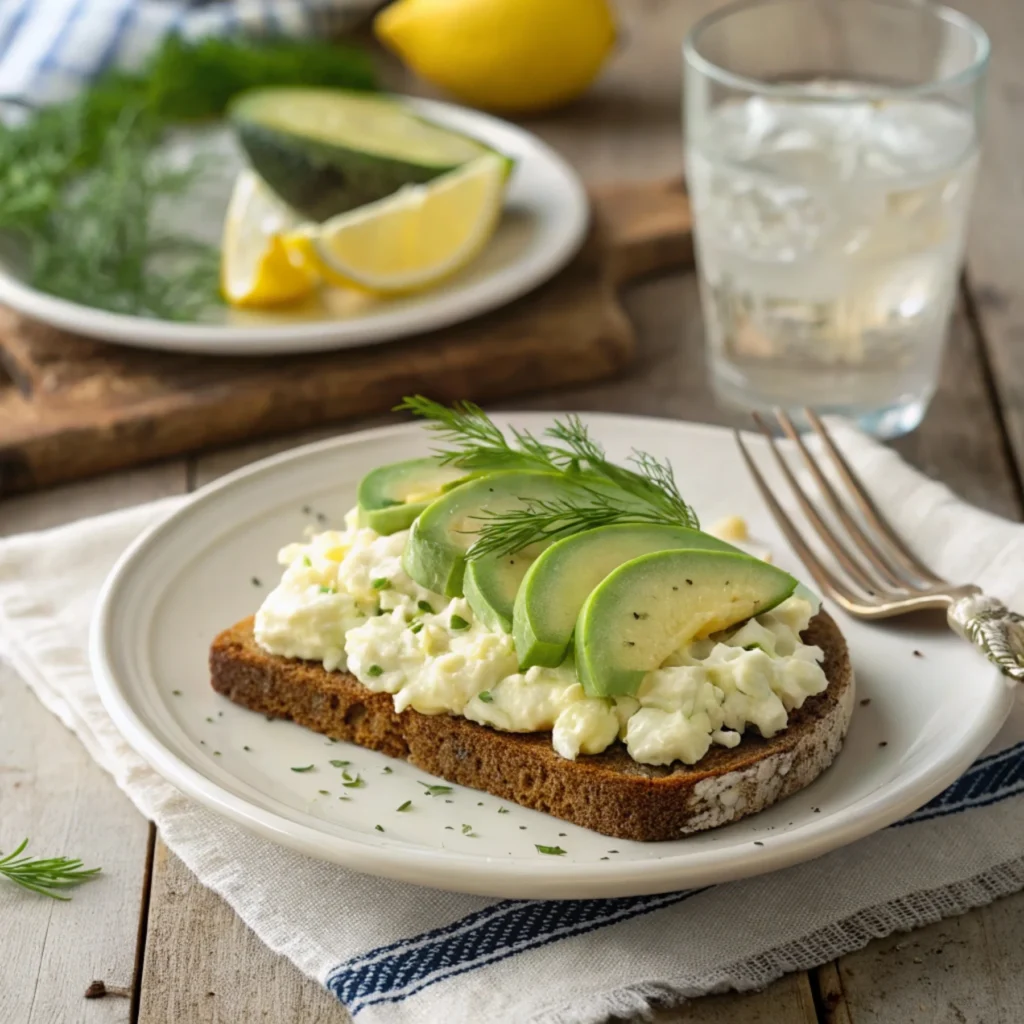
989, 780
519, 925
399, 970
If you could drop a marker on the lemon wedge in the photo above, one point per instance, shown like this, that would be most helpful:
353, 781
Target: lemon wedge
413, 238
257, 267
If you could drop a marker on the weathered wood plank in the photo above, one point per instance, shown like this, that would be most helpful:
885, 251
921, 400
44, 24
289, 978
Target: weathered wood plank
995, 249
964, 970
203, 965
52, 792
787, 1001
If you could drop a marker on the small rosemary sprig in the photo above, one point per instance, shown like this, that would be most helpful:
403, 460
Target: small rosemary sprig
607, 493
44, 875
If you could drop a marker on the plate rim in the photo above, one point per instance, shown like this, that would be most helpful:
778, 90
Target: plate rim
481, 875
330, 335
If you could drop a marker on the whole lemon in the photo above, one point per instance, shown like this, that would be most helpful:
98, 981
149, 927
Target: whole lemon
510, 55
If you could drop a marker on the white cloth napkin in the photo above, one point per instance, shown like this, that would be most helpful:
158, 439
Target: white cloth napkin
50, 48
403, 955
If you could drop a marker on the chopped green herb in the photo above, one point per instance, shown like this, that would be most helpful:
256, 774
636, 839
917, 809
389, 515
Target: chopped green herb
379, 828
486, 696
386, 770
415, 627
753, 647
343, 797
216, 753
256, 581
381, 583
304, 768
405, 806
324, 792
374, 670
306, 562
209, 719
327, 590
458, 622
247, 748
435, 790
466, 829
425, 606
339, 764
555, 851
355, 782
177, 693
503, 810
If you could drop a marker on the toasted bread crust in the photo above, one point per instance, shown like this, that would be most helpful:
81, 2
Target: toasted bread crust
607, 792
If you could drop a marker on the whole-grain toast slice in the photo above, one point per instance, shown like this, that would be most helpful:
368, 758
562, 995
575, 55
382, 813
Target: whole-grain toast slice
607, 792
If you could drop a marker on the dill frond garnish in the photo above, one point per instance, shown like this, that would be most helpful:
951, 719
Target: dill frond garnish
602, 493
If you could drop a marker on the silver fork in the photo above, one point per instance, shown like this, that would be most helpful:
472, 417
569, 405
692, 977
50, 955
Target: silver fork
879, 576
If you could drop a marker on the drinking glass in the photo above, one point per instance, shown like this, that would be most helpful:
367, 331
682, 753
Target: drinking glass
831, 150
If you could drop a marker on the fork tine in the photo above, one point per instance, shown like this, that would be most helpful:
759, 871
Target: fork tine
830, 586
868, 508
842, 554
869, 550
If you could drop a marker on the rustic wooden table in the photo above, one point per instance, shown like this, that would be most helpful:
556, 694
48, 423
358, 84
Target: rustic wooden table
181, 953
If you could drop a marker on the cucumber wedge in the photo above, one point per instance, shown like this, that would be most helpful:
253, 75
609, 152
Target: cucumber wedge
327, 151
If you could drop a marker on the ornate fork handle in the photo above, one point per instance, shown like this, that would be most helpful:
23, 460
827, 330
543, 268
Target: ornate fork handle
995, 630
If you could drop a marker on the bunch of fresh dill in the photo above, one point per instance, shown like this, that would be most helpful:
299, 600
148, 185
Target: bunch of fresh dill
78, 184
601, 492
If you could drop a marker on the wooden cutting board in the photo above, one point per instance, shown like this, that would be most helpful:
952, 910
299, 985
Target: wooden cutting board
71, 407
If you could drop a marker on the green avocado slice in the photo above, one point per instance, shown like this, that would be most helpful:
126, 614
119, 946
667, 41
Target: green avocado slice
327, 151
652, 605
491, 584
435, 555
560, 580
390, 497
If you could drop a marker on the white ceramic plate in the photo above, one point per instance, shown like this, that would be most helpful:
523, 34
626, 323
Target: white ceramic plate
194, 574
544, 222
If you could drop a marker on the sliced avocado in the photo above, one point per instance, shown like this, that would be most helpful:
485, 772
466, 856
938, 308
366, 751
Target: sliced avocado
653, 605
562, 578
326, 151
491, 584
390, 497
435, 555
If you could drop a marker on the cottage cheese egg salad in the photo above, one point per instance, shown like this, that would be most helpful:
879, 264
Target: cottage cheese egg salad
535, 587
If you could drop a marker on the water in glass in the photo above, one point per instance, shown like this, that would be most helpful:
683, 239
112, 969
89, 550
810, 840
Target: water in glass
830, 235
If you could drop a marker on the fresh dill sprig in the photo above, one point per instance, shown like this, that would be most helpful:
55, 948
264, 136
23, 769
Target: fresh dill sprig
540, 521
603, 493
44, 875
471, 440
